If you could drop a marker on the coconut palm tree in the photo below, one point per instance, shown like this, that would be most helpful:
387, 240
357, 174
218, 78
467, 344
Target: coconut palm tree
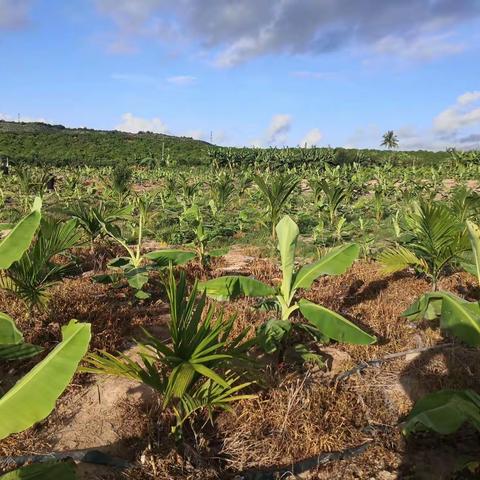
390, 140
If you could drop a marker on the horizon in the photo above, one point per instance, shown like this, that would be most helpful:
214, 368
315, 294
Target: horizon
248, 73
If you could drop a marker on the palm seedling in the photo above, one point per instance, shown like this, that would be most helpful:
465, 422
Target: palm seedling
94, 220
323, 323
199, 367
432, 240
445, 411
276, 190
222, 190
457, 316
332, 195
36, 271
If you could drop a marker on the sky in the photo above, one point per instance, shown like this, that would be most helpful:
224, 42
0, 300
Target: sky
248, 72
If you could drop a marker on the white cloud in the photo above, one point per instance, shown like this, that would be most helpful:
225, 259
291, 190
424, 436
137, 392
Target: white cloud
427, 47
182, 80
468, 97
14, 13
279, 127
133, 124
464, 113
312, 138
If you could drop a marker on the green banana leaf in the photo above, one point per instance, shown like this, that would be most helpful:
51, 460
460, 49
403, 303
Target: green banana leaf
9, 333
137, 277
12, 346
474, 235
462, 319
335, 262
428, 306
163, 258
287, 233
271, 334
34, 396
334, 325
444, 412
43, 471
14, 245
229, 287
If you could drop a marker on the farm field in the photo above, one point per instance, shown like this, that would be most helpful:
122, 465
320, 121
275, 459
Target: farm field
263, 314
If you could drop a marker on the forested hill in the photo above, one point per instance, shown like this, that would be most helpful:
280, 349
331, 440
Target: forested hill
56, 145
40, 143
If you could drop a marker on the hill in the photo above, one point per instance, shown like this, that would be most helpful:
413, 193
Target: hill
41, 143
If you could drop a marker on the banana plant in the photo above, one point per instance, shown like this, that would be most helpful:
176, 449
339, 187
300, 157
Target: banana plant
12, 248
444, 412
131, 267
323, 323
458, 316
34, 396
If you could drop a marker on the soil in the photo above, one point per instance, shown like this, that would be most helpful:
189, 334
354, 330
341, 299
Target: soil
298, 417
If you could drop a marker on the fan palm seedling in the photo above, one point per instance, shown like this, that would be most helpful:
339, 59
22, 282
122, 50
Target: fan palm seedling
432, 240
199, 367
94, 220
36, 271
323, 323
276, 190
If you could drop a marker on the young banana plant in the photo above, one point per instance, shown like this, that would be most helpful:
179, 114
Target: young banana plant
12, 248
131, 267
322, 321
34, 396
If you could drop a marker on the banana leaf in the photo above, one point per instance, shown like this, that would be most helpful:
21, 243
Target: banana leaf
335, 262
14, 245
334, 325
444, 412
43, 471
230, 287
34, 396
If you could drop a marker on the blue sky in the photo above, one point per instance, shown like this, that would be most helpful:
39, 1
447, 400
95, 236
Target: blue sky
252, 72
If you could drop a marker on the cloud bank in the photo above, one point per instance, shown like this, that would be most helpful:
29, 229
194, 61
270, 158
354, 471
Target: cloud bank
235, 32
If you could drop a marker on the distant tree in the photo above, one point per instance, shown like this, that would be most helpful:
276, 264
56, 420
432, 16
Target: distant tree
390, 140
